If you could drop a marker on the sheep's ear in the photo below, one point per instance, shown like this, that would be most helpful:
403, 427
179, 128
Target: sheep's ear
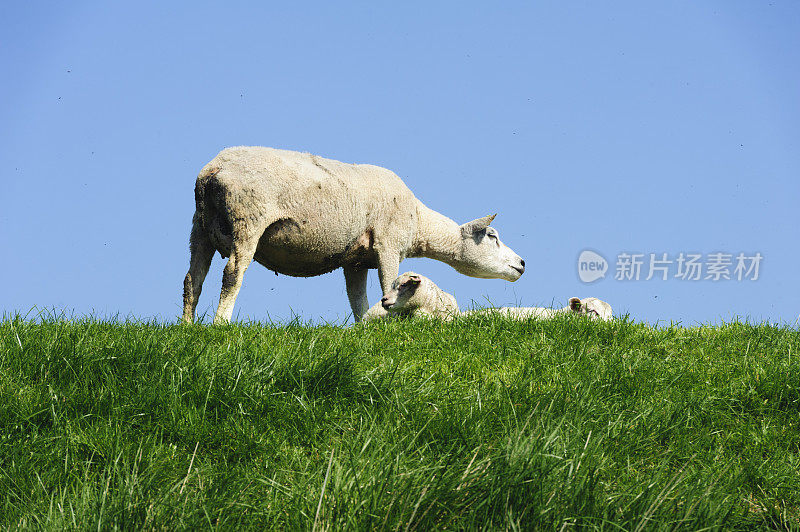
574, 304
414, 279
476, 226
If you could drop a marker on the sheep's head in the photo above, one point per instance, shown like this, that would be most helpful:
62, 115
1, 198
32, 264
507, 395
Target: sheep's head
484, 255
403, 289
591, 306
597, 307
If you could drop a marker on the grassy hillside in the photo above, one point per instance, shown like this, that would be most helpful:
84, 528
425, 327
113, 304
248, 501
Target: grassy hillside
478, 423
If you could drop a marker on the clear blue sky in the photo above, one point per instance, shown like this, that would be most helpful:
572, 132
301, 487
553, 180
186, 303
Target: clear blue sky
633, 127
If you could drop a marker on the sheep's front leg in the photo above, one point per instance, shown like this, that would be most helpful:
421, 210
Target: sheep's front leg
356, 283
388, 269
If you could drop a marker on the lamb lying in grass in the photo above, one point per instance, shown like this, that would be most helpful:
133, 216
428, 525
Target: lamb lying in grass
412, 294
590, 306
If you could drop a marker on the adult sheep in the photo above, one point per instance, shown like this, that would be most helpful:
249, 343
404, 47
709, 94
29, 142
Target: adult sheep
302, 215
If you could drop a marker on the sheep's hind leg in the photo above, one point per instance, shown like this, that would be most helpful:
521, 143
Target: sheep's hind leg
201, 251
356, 283
241, 257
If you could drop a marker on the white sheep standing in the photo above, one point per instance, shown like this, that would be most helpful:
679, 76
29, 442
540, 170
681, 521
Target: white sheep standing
303, 215
413, 294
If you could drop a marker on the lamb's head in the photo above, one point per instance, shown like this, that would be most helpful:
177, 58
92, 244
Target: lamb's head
400, 296
590, 306
484, 255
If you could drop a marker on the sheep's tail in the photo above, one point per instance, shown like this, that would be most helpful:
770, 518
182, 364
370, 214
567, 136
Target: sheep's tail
204, 196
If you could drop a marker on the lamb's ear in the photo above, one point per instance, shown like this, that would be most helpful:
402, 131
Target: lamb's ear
476, 226
414, 279
574, 304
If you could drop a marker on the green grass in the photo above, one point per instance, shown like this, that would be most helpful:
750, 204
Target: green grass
478, 423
